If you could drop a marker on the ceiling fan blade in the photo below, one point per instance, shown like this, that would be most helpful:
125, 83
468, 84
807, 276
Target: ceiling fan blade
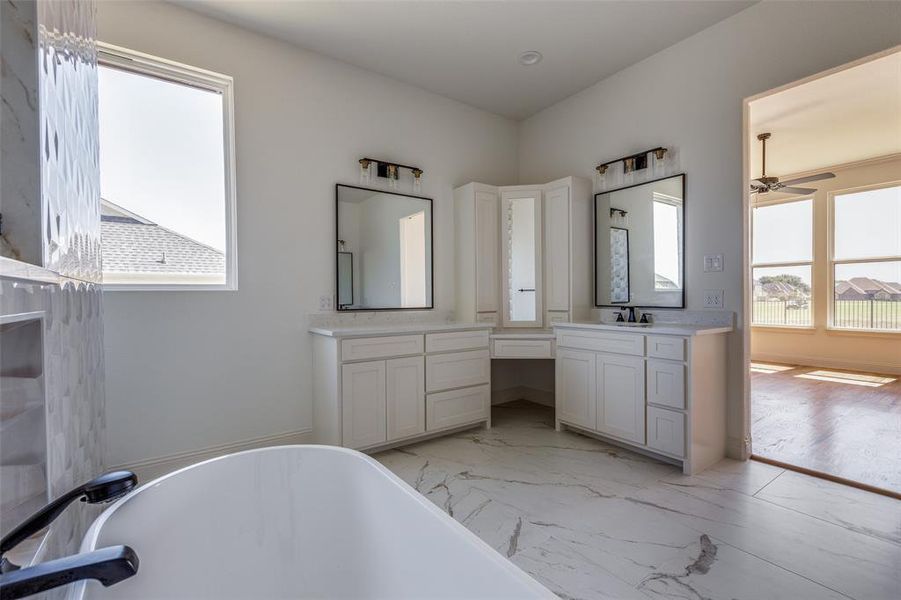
794, 190
808, 179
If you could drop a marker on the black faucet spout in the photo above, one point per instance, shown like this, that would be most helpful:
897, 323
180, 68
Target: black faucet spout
107, 565
631, 314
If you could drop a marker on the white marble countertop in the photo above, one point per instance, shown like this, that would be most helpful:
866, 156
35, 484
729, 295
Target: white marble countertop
655, 328
395, 329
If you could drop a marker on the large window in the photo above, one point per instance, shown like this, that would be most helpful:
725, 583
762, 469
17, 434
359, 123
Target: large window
866, 259
166, 174
782, 259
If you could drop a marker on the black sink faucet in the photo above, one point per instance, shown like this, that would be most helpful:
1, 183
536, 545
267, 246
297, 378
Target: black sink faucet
631, 318
108, 565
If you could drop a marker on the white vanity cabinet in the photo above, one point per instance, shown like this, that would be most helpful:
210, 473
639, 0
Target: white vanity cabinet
375, 389
659, 390
523, 253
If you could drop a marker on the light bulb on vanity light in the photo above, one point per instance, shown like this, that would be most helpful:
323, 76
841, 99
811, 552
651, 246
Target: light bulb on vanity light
600, 177
417, 181
660, 162
392, 177
365, 170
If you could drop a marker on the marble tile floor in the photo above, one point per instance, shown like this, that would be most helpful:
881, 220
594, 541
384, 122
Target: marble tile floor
590, 520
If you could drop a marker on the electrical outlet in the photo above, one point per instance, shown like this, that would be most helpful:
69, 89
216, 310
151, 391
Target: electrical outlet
325, 302
713, 263
713, 298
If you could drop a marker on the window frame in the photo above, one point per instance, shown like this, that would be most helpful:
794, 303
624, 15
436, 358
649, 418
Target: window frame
680, 236
810, 263
831, 261
132, 61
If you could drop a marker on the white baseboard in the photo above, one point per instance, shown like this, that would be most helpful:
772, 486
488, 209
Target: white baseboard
828, 363
521, 392
150, 469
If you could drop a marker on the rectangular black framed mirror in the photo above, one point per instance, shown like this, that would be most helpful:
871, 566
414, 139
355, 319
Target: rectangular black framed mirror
384, 251
639, 239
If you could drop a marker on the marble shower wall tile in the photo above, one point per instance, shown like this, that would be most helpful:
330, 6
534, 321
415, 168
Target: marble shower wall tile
69, 137
74, 391
19, 165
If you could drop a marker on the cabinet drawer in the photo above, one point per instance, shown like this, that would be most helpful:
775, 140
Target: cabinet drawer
617, 343
456, 340
666, 383
666, 431
523, 349
665, 346
459, 369
380, 347
457, 407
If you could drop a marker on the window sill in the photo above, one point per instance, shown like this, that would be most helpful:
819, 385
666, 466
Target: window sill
127, 287
806, 329
891, 334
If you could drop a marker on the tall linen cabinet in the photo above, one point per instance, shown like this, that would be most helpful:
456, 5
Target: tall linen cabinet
566, 250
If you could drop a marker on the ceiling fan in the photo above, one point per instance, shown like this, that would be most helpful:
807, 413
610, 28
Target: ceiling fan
764, 184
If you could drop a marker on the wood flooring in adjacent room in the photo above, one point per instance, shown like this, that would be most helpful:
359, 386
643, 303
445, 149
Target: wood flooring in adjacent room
843, 423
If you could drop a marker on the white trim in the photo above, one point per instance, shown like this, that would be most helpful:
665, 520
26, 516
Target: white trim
152, 468
153, 66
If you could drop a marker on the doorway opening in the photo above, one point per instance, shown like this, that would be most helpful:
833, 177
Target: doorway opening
823, 274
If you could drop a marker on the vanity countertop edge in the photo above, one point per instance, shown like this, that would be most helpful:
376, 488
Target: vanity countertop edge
653, 328
396, 329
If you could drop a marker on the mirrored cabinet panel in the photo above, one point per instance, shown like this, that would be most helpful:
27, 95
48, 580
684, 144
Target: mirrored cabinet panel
639, 245
521, 260
384, 250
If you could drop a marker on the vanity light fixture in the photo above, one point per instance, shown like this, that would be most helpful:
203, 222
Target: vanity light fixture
634, 162
618, 211
389, 171
530, 57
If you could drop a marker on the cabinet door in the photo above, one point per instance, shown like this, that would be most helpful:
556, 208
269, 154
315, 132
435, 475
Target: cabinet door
556, 251
363, 404
575, 387
487, 235
666, 431
405, 404
666, 383
620, 396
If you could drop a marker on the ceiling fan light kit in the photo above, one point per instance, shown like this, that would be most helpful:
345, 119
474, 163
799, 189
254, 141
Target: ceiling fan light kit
764, 184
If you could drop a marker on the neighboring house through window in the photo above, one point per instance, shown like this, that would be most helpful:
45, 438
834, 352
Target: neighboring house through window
167, 174
865, 258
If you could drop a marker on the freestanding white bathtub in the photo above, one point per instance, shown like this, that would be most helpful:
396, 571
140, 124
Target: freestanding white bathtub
296, 522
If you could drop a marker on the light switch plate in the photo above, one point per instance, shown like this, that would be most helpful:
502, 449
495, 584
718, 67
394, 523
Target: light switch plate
713, 298
713, 263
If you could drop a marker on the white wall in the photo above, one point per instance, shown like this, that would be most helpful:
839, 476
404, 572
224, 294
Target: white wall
690, 96
191, 370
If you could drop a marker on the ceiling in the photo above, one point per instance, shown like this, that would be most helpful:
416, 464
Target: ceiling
468, 50
845, 117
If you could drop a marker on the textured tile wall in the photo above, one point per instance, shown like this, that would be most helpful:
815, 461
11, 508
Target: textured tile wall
73, 383
65, 66
70, 157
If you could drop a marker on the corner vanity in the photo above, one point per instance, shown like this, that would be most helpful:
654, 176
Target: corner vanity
658, 389
537, 268
378, 387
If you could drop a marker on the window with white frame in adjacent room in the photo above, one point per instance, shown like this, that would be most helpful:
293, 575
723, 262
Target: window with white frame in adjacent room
167, 177
865, 259
782, 263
